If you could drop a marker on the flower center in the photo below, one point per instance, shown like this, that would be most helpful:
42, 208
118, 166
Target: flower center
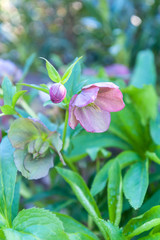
94, 106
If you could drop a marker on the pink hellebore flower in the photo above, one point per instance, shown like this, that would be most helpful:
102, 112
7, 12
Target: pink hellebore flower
91, 108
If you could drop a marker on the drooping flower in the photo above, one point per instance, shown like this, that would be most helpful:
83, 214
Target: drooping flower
92, 106
57, 92
35, 147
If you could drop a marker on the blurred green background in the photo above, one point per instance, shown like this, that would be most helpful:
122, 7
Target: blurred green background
103, 31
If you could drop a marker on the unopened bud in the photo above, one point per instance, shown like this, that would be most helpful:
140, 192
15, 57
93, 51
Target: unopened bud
57, 92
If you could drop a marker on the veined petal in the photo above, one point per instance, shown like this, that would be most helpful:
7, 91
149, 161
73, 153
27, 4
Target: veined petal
102, 85
87, 96
92, 119
72, 119
110, 100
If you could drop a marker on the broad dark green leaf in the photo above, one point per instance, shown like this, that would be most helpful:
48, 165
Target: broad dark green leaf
8, 174
125, 159
143, 222
145, 71
145, 106
135, 183
36, 224
8, 91
52, 72
126, 124
73, 226
115, 197
89, 140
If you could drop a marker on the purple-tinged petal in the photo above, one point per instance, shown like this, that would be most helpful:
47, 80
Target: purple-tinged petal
110, 100
86, 96
101, 85
93, 119
117, 70
72, 119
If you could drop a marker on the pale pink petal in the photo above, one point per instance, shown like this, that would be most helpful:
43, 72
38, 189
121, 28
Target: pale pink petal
110, 100
92, 119
72, 119
102, 85
86, 96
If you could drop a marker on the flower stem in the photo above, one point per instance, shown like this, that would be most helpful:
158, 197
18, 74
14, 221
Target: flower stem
65, 128
27, 108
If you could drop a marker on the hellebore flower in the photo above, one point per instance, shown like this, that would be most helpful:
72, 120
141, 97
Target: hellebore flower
57, 92
35, 147
92, 106
118, 70
8, 68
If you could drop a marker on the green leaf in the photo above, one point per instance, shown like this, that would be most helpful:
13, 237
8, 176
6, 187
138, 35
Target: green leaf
74, 83
93, 152
36, 224
73, 226
125, 158
152, 201
89, 140
8, 91
145, 106
69, 70
16, 200
152, 156
16, 96
82, 193
40, 88
80, 236
155, 129
115, 197
145, 71
143, 222
155, 236
126, 124
135, 183
113, 231
8, 110
8, 174
28, 64
52, 72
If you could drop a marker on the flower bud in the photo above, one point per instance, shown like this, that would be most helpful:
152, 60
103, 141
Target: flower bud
57, 92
